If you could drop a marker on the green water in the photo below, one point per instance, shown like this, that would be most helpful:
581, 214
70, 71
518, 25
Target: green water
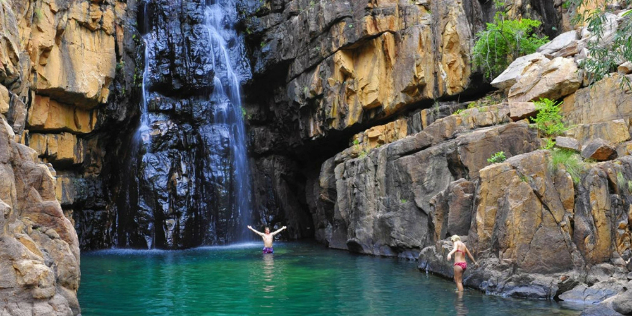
298, 279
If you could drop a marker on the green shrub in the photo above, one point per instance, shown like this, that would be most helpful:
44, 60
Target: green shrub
604, 58
503, 41
549, 119
497, 157
550, 143
571, 161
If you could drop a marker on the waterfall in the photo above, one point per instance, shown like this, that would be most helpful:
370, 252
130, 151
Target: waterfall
187, 178
228, 112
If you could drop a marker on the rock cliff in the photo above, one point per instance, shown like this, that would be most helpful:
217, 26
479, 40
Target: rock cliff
542, 226
39, 252
63, 79
366, 125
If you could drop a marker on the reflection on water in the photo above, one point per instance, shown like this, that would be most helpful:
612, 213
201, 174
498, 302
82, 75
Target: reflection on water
459, 305
268, 273
299, 279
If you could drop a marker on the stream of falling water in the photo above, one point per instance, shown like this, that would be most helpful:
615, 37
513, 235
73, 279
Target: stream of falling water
221, 16
212, 203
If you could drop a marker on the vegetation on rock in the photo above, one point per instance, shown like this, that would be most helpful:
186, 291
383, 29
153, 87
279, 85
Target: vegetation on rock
504, 40
608, 47
571, 161
549, 120
497, 157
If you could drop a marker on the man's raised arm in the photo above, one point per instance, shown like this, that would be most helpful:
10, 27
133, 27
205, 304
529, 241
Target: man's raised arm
278, 231
255, 231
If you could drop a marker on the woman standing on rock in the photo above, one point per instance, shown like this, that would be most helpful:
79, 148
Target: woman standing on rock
459, 260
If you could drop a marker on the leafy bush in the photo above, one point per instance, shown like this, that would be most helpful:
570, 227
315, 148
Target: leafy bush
497, 157
604, 56
505, 40
549, 119
571, 161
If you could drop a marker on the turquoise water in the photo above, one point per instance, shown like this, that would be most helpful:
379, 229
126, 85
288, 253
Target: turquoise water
299, 279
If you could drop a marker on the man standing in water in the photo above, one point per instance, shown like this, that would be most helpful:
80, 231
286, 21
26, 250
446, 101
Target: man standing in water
267, 238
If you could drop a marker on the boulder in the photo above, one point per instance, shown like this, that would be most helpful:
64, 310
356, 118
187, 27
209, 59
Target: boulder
623, 303
561, 42
599, 310
625, 68
567, 143
519, 213
521, 110
598, 149
517, 69
597, 293
555, 79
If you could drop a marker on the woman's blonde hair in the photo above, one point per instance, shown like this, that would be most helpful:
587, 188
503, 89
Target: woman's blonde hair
455, 238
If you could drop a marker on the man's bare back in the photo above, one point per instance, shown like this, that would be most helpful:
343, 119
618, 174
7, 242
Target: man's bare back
267, 237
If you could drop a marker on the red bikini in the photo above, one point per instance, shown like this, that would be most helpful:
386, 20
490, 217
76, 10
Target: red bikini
463, 264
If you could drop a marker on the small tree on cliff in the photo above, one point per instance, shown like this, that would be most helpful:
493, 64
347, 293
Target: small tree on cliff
504, 40
607, 48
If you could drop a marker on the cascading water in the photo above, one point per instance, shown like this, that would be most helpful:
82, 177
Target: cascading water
228, 113
188, 179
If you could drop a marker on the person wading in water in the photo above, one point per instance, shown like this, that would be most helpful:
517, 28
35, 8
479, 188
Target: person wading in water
267, 238
459, 260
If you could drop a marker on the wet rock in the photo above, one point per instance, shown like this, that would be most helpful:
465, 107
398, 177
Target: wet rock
598, 149
554, 79
567, 143
623, 303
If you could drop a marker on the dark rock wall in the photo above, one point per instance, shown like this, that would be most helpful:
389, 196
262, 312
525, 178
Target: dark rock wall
325, 70
321, 72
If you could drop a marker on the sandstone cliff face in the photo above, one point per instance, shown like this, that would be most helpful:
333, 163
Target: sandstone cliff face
39, 253
326, 70
59, 63
62, 61
540, 230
